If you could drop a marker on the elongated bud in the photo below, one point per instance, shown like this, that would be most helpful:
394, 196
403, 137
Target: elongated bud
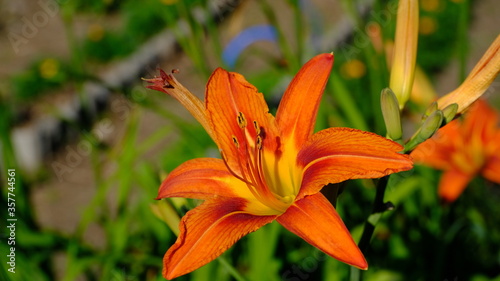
167, 84
429, 127
478, 81
391, 113
405, 51
450, 112
166, 212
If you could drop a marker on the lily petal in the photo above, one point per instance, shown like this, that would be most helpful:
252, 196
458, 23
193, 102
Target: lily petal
452, 184
481, 121
235, 108
338, 154
435, 152
491, 170
298, 108
202, 178
206, 232
316, 221
207, 178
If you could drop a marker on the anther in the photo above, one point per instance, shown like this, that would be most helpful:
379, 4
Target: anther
242, 122
166, 78
258, 142
235, 142
257, 127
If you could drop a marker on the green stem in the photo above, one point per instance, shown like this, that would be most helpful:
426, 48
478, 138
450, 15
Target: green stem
355, 274
379, 206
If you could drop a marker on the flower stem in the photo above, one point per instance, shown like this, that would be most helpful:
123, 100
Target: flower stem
379, 206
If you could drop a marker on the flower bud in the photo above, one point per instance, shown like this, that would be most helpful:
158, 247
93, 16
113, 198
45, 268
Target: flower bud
390, 111
431, 125
430, 109
405, 51
428, 128
449, 112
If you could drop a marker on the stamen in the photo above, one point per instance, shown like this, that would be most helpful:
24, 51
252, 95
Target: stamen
224, 159
242, 122
167, 80
258, 142
257, 127
251, 170
235, 142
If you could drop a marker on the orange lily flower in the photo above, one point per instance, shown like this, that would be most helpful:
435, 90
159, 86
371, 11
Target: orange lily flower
464, 149
271, 168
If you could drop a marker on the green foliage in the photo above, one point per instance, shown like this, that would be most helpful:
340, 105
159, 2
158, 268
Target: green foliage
110, 46
41, 77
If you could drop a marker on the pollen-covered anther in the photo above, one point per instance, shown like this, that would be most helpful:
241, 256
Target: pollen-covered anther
235, 142
242, 122
258, 142
257, 127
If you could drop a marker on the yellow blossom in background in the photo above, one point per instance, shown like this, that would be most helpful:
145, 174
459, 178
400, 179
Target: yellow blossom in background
427, 25
430, 5
49, 68
95, 32
353, 69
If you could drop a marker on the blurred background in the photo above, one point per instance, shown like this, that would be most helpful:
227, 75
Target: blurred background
90, 144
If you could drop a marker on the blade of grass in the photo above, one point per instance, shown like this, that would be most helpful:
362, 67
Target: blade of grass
354, 116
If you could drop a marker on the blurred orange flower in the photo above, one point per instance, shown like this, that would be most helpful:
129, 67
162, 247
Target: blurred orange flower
463, 149
271, 168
